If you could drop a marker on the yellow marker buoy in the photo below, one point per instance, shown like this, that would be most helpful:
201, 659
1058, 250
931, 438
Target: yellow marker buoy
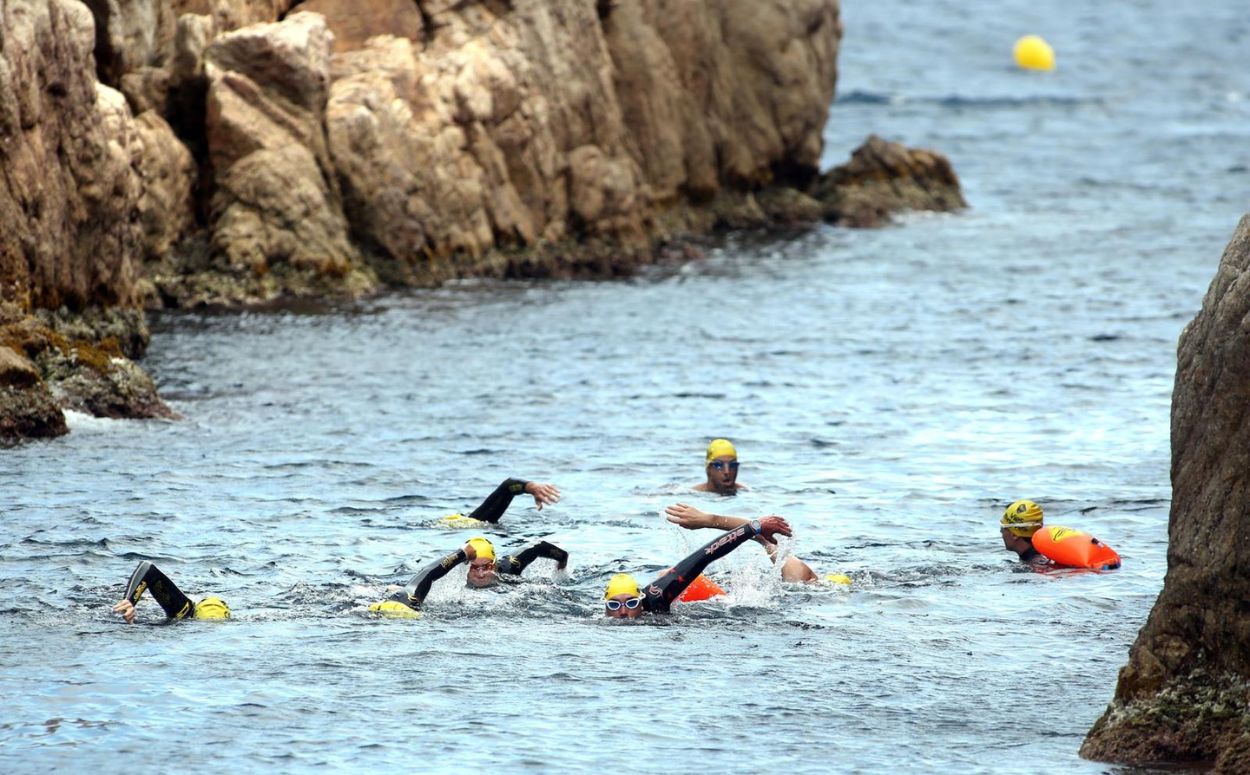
1033, 53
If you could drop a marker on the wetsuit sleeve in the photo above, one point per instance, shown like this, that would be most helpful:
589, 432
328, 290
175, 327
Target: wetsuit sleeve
414, 594
497, 502
515, 564
148, 578
660, 594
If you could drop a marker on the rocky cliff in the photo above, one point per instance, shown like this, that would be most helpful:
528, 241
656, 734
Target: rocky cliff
190, 152
1184, 695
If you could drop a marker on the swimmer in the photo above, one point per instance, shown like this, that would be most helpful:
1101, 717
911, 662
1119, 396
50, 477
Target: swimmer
1020, 521
1037, 544
793, 569
721, 466
497, 502
147, 577
484, 570
624, 599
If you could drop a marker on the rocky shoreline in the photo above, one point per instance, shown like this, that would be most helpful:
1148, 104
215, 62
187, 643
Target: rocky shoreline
237, 152
1184, 696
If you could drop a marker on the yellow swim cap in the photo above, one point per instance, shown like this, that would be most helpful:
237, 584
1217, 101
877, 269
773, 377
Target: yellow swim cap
460, 522
1022, 518
838, 578
393, 609
621, 584
212, 608
485, 549
720, 448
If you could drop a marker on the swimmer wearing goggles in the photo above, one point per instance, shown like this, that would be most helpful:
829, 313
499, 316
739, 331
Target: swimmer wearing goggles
624, 599
721, 467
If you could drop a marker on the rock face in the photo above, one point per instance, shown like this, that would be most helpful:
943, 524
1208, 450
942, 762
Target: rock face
1184, 695
72, 231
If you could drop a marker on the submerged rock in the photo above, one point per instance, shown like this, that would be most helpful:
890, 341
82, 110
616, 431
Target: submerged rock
883, 178
1184, 695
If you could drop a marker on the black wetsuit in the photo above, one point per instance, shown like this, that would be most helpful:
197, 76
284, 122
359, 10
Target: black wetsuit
659, 595
414, 594
148, 578
498, 501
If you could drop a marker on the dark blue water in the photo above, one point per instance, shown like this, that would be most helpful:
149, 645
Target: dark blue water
889, 391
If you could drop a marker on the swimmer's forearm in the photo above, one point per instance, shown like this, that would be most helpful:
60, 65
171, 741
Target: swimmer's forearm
520, 561
420, 585
722, 522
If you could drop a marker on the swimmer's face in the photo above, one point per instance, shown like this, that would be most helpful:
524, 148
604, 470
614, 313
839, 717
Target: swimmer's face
722, 473
1015, 543
481, 573
624, 609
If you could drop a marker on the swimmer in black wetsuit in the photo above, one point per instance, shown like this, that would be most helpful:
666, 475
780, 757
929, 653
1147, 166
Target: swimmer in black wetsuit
484, 571
623, 599
147, 577
497, 502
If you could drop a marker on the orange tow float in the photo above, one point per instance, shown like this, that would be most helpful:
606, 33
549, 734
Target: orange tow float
701, 588
1074, 548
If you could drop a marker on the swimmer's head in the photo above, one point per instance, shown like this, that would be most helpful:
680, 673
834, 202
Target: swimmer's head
720, 448
722, 466
1022, 518
211, 608
482, 566
622, 599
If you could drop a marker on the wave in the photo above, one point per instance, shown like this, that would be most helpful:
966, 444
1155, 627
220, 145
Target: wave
961, 101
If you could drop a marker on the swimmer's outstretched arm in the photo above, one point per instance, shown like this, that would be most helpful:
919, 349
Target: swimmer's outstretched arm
414, 594
516, 563
148, 577
793, 569
497, 502
660, 594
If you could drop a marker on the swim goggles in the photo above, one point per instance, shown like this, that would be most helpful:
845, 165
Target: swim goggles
631, 604
719, 465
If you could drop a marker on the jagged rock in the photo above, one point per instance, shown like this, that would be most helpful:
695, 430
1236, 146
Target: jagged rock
64, 360
883, 178
29, 413
130, 35
277, 220
231, 15
67, 198
279, 230
15, 370
354, 22
733, 92
1184, 695
97, 380
162, 179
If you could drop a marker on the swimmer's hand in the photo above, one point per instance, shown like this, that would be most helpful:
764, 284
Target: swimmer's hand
470, 553
127, 610
770, 526
544, 494
689, 517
